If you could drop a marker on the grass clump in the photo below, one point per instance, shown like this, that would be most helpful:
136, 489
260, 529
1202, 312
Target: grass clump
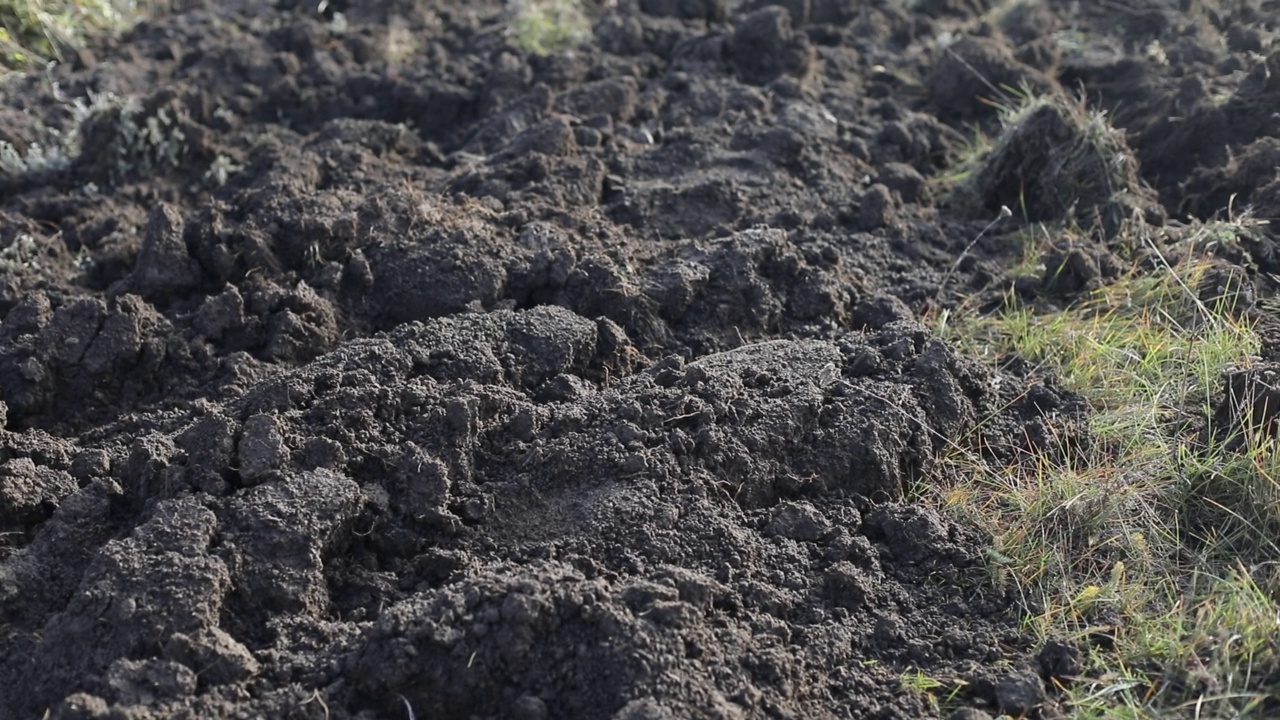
128, 137
1052, 160
35, 32
115, 139
1154, 546
542, 27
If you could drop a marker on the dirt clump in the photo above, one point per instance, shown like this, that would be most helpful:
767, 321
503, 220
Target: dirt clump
1248, 405
1056, 161
974, 74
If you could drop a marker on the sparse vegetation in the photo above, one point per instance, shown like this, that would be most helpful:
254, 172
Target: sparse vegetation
1151, 546
220, 170
21, 253
60, 148
124, 136
128, 136
34, 32
546, 26
939, 693
36, 158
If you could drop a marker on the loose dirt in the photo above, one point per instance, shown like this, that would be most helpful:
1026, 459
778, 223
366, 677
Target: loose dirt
365, 364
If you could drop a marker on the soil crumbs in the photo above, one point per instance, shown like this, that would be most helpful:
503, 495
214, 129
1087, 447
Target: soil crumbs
370, 364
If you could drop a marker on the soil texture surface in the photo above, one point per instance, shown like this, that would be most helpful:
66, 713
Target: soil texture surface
367, 364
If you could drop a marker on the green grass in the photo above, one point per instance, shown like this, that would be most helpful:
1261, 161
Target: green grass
542, 27
35, 32
1151, 546
940, 694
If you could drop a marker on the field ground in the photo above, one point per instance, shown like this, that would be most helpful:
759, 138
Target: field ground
639, 359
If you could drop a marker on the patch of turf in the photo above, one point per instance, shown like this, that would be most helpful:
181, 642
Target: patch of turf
1153, 548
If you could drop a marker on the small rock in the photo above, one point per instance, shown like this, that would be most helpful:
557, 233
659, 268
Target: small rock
764, 46
82, 706
848, 586
27, 317
879, 310
877, 208
798, 521
1071, 269
1019, 693
164, 266
30, 492
88, 464
140, 682
529, 707
262, 450
220, 314
422, 482
220, 658
904, 180
1059, 661
322, 452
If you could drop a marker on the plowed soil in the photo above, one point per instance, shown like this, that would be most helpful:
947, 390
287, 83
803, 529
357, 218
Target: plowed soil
368, 365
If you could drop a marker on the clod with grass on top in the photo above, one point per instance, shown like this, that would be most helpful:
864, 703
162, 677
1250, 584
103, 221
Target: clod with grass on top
1056, 160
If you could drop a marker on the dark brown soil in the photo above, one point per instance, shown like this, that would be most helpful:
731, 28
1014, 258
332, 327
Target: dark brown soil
348, 370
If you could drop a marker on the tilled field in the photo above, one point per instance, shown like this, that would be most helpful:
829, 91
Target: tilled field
369, 364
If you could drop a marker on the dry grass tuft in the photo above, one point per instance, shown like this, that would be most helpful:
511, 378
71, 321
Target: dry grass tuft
1154, 548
